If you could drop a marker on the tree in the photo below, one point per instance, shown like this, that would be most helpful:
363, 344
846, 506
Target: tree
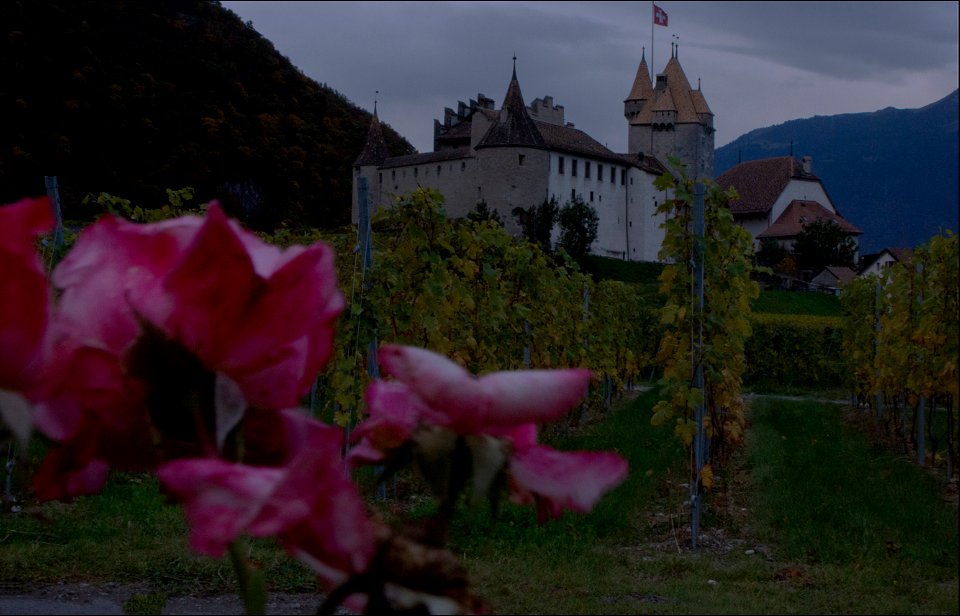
771, 253
481, 212
822, 243
537, 221
578, 228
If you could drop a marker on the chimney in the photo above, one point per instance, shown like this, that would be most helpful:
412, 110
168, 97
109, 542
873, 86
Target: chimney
807, 164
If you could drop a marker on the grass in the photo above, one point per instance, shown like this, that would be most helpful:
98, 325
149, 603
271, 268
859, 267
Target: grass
797, 302
810, 519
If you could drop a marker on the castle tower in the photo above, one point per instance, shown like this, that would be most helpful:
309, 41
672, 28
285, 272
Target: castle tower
640, 93
670, 119
513, 159
368, 165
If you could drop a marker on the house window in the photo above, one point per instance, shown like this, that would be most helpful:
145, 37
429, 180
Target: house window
613, 175
586, 168
623, 177
591, 196
599, 173
573, 167
520, 158
573, 193
561, 165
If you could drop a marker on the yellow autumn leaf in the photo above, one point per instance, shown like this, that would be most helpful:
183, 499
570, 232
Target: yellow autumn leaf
706, 476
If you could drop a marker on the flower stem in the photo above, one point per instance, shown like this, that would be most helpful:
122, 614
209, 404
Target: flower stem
253, 589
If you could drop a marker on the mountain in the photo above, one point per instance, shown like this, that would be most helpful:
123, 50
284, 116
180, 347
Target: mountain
134, 97
892, 172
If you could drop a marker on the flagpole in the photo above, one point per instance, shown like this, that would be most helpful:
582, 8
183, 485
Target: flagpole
653, 64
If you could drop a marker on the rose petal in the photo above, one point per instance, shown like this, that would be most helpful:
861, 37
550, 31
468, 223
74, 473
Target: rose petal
565, 480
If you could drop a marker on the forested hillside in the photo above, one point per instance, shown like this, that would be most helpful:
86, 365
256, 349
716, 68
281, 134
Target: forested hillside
133, 97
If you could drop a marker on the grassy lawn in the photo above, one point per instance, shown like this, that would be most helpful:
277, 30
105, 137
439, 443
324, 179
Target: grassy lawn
797, 302
810, 519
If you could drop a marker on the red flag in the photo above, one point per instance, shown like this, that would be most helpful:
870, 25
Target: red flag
659, 16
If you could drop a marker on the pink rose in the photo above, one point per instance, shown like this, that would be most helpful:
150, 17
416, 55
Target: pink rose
434, 402
177, 328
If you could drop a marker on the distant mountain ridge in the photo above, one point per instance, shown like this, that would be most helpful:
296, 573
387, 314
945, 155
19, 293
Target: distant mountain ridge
891, 172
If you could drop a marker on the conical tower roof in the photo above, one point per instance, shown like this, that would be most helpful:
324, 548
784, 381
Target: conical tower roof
642, 86
514, 126
375, 150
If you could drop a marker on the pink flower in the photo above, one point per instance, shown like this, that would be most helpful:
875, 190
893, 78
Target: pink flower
309, 503
24, 309
434, 397
162, 318
25, 303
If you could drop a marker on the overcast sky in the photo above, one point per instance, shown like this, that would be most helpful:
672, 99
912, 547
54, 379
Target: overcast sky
759, 63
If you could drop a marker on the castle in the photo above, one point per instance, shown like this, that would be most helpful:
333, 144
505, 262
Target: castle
519, 156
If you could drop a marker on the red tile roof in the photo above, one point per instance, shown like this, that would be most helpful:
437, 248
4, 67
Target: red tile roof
760, 182
798, 214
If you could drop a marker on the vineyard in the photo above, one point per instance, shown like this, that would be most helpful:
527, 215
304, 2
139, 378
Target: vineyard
466, 289
900, 346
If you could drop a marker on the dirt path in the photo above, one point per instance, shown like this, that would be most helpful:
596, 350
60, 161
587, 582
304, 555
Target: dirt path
111, 598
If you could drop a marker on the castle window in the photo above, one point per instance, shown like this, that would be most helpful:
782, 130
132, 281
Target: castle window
380, 177
613, 175
586, 169
393, 174
631, 181
623, 177
591, 196
439, 167
415, 171
573, 193
520, 158
561, 165
573, 167
463, 165
599, 173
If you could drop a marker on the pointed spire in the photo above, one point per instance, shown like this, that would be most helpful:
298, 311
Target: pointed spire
642, 88
375, 104
375, 150
514, 78
514, 125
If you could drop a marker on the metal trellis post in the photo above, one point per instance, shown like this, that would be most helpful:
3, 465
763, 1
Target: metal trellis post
700, 439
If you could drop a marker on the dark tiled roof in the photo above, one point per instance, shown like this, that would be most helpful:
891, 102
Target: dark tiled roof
648, 163
901, 254
796, 216
375, 150
841, 273
575, 141
678, 96
514, 126
760, 182
460, 130
426, 158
